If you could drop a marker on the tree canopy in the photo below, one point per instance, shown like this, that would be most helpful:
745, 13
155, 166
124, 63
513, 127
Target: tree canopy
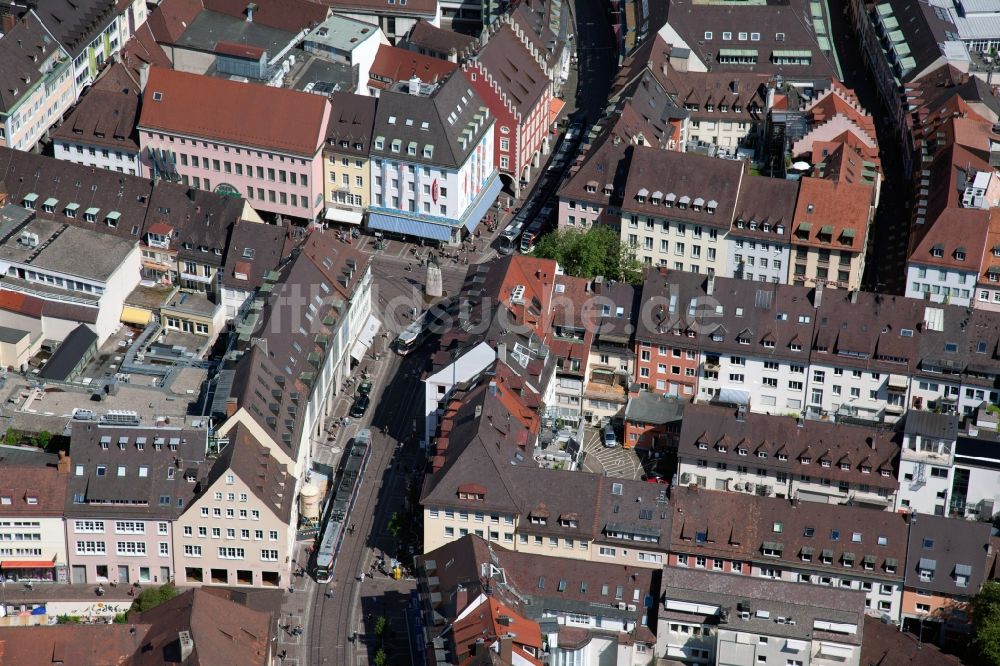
986, 622
599, 251
152, 597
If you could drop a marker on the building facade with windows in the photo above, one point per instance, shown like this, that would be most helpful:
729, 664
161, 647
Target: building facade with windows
127, 487
236, 530
32, 533
277, 167
347, 182
432, 169
37, 80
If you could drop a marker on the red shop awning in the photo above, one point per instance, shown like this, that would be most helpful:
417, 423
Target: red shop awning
27, 564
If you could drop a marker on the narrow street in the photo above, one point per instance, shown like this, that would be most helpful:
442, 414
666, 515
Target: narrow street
885, 270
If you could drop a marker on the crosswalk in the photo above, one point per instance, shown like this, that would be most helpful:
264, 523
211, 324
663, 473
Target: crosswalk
617, 462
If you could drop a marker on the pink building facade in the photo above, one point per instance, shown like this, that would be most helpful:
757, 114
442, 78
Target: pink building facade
285, 184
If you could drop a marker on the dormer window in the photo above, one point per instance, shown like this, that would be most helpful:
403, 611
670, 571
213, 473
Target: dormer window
845, 467
937, 251
960, 254
721, 448
805, 460
783, 457
741, 451
866, 469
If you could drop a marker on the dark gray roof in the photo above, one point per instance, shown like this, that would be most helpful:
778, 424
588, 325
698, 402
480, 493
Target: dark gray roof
646, 407
12, 335
199, 218
210, 28
920, 422
352, 118
448, 111
942, 545
512, 66
22, 51
139, 495
106, 115
76, 23
255, 249
66, 358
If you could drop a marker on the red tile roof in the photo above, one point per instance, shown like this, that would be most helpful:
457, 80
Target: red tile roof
393, 64
13, 301
826, 203
239, 50
205, 107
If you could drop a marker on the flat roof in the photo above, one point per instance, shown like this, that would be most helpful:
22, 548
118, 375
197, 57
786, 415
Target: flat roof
192, 303
342, 33
209, 28
11, 335
69, 250
149, 297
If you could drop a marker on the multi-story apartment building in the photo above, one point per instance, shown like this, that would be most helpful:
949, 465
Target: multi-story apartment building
712, 618
946, 564
948, 470
37, 83
826, 545
612, 308
347, 181
677, 208
100, 131
514, 86
433, 173
830, 235
236, 530
816, 461
865, 348
667, 357
395, 20
759, 240
590, 613
127, 488
254, 251
90, 31
277, 167
513, 502
58, 262
569, 341
593, 194
348, 41
297, 343
31, 516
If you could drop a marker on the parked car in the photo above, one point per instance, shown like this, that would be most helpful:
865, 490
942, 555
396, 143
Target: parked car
653, 477
365, 388
360, 406
610, 439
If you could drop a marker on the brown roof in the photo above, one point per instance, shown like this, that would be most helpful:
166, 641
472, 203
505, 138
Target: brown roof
255, 249
204, 106
736, 526
46, 484
885, 645
171, 18
352, 118
826, 205
289, 15
70, 644
106, 115
15, 301
223, 632
947, 544
394, 64
142, 49
955, 240
428, 36
505, 58
828, 447
683, 175
766, 201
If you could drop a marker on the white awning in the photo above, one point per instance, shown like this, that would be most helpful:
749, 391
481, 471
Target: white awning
898, 381
835, 651
342, 215
365, 338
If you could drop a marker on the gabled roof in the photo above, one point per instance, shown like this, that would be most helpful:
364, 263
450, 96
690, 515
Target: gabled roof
393, 64
23, 50
255, 249
426, 35
70, 644
75, 24
948, 548
352, 118
831, 215
203, 106
521, 79
106, 115
885, 645
223, 632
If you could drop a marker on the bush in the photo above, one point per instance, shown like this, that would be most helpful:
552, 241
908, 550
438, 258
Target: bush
153, 597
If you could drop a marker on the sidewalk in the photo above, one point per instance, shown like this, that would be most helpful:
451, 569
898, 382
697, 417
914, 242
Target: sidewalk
17, 593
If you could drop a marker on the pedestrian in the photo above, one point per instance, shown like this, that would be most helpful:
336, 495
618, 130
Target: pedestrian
328, 594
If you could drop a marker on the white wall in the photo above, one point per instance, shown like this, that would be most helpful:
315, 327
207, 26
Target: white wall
789, 394
760, 258
95, 156
939, 283
440, 384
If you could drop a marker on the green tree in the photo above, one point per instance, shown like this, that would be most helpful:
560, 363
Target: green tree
395, 526
154, 596
381, 658
11, 437
43, 438
380, 625
599, 251
986, 624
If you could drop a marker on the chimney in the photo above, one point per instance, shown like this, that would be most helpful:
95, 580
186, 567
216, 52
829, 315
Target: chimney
502, 351
250, 9
232, 404
818, 295
507, 649
143, 76
710, 288
64, 463
187, 645
413, 87
854, 296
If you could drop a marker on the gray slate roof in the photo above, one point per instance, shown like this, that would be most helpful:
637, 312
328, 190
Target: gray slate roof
27, 39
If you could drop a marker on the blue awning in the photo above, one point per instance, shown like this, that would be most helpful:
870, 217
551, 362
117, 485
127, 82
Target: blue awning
409, 227
481, 207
